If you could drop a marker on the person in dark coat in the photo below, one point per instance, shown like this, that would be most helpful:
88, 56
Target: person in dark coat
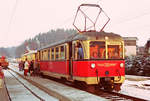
21, 65
31, 68
36, 68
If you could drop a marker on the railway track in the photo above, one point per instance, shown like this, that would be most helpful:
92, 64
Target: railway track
59, 90
17, 86
117, 96
114, 96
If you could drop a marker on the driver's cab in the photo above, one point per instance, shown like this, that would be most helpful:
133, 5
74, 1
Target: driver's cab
80, 50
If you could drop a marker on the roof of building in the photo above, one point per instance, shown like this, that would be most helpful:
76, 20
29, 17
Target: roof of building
130, 38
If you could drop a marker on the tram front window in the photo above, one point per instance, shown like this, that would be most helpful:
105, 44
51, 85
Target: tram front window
115, 52
97, 50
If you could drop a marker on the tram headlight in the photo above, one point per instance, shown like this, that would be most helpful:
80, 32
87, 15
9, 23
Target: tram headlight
93, 65
121, 65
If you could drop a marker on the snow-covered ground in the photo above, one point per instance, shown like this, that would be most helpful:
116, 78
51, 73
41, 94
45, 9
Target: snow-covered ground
19, 92
63, 92
137, 86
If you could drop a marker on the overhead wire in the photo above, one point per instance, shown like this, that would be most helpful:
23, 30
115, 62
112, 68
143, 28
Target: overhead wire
12, 15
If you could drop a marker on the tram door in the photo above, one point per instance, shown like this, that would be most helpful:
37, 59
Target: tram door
70, 61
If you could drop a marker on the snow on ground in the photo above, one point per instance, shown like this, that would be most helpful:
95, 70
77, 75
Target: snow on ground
18, 96
137, 86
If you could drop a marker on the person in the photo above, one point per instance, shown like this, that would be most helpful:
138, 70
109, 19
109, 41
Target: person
94, 52
36, 67
116, 55
26, 67
1, 77
80, 51
95, 55
31, 68
102, 53
21, 63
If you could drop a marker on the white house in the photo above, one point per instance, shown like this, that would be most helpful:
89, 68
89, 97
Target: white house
130, 46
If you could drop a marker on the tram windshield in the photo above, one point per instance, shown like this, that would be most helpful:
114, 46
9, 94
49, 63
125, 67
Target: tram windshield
115, 52
98, 51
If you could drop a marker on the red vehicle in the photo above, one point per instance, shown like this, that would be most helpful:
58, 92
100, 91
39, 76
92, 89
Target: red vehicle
91, 57
1, 77
4, 63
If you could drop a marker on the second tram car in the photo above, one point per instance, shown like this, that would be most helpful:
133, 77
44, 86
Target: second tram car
31, 55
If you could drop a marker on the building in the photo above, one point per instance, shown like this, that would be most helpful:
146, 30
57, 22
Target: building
130, 46
141, 50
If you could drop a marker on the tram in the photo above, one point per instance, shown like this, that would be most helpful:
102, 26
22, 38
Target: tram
94, 58
101, 61
31, 55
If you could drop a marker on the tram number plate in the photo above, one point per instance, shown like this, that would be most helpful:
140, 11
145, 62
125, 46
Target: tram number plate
107, 79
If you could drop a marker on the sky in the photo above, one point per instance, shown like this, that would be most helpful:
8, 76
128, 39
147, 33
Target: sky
24, 19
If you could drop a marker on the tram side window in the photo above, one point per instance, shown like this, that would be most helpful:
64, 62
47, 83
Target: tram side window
57, 53
48, 54
45, 54
79, 49
38, 56
65, 47
42, 55
52, 54
62, 52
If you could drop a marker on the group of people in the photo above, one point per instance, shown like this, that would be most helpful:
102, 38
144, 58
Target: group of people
32, 67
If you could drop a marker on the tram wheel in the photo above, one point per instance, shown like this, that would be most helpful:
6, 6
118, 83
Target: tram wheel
91, 88
109, 87
117, 87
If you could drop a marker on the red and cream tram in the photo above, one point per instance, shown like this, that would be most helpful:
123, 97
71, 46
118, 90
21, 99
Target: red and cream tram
87, 58
90, 57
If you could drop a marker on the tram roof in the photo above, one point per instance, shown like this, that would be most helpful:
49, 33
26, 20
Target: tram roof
97, 36
87, 36
30, 52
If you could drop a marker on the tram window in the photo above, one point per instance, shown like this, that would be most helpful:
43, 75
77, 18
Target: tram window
57, 53
42, 56
74, 51
80, 53
62, 52
45, 55
48, 54
52, 54
97, 50
65, 48
114, 52
39, 57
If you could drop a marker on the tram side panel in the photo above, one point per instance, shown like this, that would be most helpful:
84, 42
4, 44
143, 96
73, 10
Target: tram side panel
55, 67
